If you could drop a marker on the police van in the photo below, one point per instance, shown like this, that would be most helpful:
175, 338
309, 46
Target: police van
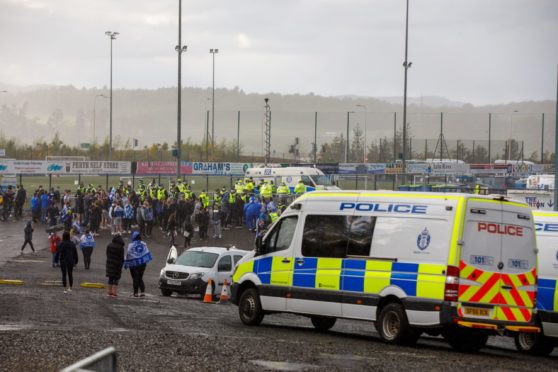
546, 227
459, 265
313, 178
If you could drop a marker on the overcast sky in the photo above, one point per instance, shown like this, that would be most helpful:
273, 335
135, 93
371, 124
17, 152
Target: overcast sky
478, 51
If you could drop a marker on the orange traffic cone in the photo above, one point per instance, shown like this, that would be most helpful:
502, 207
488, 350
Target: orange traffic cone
224, 298
208, 297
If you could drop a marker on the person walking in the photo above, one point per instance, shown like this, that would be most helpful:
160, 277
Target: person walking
28, 234
115, 260
203, 223
137, 257
87, 243
216, 222
20, 198
172, 228
68, 257
148, 218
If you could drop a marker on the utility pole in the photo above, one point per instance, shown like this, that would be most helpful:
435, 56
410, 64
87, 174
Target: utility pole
112, 36
213, 52
267, 131
180, 49
406, 66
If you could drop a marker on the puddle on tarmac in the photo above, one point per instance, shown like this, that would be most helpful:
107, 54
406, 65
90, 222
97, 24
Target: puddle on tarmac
118, 330
283, 366
25, 261
13, 327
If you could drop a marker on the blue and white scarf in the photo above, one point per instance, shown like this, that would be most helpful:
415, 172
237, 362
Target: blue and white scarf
87, 241
137, 254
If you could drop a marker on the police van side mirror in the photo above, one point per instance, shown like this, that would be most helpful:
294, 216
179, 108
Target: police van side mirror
171, 260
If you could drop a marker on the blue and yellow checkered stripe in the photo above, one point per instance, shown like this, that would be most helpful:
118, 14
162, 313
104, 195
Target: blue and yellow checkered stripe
547, 295
351, 275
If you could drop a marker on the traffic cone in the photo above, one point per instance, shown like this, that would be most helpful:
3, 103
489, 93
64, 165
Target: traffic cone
208, 297
224, 298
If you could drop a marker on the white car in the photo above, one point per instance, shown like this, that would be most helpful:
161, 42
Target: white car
190, 272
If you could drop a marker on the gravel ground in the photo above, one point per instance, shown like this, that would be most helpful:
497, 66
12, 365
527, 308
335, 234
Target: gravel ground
43, 329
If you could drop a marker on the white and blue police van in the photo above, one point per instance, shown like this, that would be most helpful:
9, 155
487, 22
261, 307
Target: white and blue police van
458, 265
546, 226
313, 178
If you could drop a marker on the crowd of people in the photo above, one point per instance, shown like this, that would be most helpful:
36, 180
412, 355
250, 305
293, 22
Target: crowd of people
177, 211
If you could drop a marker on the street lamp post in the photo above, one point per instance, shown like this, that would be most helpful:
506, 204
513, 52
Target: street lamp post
364, 151
213, 52
406, 66
112, 36
180, 49
94, 113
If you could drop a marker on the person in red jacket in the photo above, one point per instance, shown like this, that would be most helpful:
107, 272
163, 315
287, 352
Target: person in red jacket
54, 241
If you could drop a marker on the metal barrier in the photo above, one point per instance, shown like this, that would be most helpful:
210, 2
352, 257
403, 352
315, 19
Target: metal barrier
103, 361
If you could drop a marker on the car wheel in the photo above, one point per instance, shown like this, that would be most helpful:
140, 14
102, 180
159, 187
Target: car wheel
250, 308
393, 326
166, 292
465, 340
533, 343
323, 323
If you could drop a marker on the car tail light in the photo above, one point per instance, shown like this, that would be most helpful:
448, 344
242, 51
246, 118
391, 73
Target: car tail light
451, 290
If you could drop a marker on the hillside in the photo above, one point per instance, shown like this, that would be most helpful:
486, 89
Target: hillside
33, 114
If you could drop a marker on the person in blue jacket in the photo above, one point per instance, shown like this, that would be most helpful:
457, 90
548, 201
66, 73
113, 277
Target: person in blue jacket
35, 207
251, 212
44, 205
87, 243
137, 257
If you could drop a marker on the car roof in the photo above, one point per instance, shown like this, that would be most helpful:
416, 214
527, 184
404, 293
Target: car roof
218, 250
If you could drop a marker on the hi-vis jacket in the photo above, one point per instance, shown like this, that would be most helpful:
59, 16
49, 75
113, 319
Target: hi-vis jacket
546, 226
448, 258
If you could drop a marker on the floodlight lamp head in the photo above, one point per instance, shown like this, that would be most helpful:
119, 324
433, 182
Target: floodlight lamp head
266, 100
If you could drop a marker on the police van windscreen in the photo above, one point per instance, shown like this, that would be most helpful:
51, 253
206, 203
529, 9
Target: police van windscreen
323, 180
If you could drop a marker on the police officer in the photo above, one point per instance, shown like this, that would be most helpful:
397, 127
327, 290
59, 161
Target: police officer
300, 188
283, 189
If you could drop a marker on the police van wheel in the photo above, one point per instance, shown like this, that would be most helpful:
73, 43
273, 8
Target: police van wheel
323, 323
250, 308
393, 326
465, 340
533, 343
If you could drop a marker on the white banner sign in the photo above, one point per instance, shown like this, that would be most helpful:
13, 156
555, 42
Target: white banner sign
89, 167
543, 200
10, 166
29, 166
